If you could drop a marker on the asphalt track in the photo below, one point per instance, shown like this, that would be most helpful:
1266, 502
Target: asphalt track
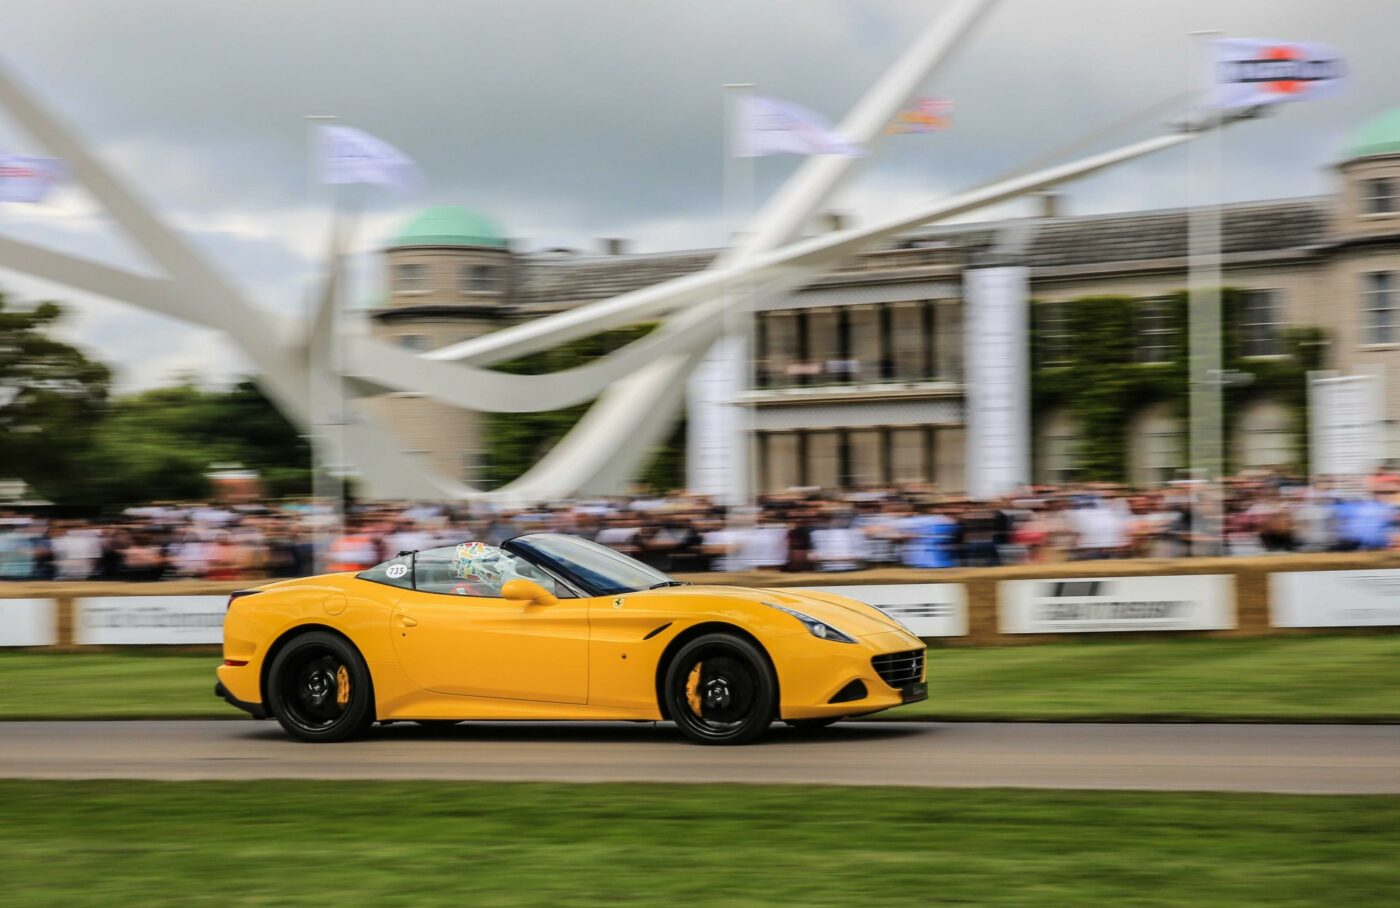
1356, 759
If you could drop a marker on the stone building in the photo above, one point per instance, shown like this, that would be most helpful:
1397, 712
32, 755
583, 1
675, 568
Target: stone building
857, 378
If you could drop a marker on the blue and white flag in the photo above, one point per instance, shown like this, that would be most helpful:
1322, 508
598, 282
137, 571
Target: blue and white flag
769, 126
350, 155
1250, 72
25, 178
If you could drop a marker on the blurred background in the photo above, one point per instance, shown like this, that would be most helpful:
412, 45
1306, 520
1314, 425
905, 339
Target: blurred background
546, 176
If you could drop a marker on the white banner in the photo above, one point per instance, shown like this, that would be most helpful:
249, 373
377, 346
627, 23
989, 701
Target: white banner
28, 622
716, 434
1254, 71
1335, 598
997, 380
350, 155
1344, 430
117, 620
927, 609
1199, 602
769, 126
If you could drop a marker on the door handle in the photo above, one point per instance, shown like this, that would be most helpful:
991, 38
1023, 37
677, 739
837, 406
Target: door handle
407, 621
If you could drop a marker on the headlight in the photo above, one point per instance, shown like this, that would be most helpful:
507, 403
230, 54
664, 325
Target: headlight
818, 628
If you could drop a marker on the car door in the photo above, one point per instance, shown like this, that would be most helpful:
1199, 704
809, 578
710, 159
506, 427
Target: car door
458, 636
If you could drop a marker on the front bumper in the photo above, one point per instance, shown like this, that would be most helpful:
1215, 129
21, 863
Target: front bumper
812, 672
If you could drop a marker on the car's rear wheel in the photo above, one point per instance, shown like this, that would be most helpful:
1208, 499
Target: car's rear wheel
720, 689
319, 688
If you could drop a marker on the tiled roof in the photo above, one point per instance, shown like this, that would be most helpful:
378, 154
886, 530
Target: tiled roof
1271, 227
553, 280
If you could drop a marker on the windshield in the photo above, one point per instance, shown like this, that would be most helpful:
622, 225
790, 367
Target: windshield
469, 569
596, 568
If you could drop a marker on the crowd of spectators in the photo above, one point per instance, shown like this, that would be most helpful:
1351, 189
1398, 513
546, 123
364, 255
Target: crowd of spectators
797, 531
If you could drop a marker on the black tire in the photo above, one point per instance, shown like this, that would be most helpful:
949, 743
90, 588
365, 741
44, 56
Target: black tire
813, 724
720, 689
319, 689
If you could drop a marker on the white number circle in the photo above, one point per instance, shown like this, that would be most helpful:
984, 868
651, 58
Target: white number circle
396, 571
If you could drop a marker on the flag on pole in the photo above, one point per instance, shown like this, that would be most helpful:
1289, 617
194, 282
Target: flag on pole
924, 115
769, 126
1254, 71
350, 155
24, 178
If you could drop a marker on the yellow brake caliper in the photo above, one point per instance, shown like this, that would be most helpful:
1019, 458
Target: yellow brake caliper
692, 690
342, 686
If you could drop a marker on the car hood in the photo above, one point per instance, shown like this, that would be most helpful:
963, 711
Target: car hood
844, 614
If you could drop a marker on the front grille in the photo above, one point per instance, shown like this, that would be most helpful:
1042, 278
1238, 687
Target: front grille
900, 669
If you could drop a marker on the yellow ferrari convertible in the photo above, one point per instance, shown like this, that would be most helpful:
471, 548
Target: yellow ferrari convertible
547, 626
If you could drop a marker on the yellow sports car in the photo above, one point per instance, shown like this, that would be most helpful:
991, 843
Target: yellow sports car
547, 626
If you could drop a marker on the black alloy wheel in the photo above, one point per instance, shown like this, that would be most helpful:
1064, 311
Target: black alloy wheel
319, 688
720, 689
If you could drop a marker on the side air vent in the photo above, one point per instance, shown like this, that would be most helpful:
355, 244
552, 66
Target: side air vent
854, 691
658, 630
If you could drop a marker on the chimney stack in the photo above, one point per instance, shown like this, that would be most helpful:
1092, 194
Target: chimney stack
1052, 204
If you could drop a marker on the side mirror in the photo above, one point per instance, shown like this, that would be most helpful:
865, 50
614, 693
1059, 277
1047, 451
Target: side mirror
527, 591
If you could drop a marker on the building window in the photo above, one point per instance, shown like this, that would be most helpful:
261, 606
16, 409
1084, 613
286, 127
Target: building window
1056, 335
1378, 196
410, 278
480, 279
1265, 436
1156, 331
413, 342
1378, 304
1259, 324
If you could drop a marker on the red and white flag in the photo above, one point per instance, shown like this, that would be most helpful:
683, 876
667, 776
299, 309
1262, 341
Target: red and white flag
25, 178
1250, 72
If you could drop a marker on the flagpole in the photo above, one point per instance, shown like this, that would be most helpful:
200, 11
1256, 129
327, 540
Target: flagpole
738, 206
1203, 281
325, 490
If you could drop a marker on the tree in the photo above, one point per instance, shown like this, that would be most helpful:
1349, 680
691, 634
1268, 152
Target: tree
517, 441
51, 399
160, 445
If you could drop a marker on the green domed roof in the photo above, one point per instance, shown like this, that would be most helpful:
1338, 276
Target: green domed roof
450, 225
1379, 135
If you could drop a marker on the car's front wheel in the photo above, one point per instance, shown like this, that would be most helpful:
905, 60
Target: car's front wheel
720, 689
319, 688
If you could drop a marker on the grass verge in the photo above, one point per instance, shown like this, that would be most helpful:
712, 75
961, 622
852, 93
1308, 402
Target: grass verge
1340, 678
387, 844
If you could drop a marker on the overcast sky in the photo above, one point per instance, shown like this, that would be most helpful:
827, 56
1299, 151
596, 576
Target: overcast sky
569, 120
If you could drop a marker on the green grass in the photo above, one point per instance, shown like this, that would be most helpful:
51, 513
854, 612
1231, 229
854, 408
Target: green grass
1285, 678
415, 844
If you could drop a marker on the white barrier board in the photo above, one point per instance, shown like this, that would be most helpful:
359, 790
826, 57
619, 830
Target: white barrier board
1335, 598
149, 619
28, 622
927, 609
1195, 602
